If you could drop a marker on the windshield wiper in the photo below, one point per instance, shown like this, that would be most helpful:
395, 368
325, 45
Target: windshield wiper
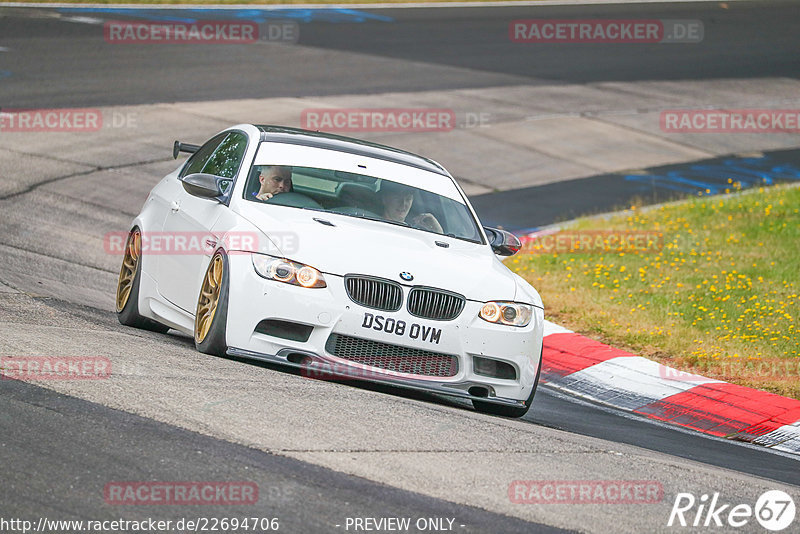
368, 217
381, 219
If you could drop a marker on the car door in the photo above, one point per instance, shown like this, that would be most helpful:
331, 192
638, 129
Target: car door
190, 220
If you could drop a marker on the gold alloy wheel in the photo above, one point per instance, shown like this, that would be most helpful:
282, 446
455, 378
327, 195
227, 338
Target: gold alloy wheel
209, 298
127, 273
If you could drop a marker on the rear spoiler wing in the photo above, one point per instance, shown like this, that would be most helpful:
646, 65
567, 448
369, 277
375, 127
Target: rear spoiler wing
179, 147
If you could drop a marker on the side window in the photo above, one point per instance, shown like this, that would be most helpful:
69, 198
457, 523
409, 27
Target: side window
199, 158
228, 156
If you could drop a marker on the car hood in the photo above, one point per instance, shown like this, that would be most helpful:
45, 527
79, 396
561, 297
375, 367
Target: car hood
349, 245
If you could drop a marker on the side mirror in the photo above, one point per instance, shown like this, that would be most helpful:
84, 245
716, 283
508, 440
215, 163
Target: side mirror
503, 243
206, 185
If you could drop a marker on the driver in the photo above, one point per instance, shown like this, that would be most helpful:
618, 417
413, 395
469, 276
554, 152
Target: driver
397, 200
274, 179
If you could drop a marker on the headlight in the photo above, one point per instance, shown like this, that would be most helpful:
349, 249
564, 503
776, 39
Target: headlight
289, 272
508, 313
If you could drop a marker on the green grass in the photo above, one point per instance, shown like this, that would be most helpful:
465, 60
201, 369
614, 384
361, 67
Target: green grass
719, 297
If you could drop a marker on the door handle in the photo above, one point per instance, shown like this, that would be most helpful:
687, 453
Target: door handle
175, 205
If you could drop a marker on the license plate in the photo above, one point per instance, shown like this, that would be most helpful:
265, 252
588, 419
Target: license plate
401, 328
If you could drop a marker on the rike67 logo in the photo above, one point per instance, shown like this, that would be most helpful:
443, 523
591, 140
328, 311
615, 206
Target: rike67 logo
774, 510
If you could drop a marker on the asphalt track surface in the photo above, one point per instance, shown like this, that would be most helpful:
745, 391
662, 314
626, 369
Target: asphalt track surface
569, 199
747, 39
303, 497
59, 462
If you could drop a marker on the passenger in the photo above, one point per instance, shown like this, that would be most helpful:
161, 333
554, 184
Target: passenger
397, 200
274, 179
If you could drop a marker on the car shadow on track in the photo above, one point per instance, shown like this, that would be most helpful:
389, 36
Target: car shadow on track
363, 384
179, 338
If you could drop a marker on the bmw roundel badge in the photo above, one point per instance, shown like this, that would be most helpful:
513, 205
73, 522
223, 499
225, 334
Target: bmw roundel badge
406, 276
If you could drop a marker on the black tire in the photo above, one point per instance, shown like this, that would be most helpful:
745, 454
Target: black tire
214, 342
128, 314
510, 411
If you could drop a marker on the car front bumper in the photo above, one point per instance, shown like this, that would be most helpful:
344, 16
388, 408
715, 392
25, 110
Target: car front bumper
327, 311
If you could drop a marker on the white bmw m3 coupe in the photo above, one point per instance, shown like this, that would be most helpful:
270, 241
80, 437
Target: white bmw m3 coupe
341, 257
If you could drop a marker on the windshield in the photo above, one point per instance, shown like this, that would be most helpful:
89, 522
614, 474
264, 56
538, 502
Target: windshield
363, 196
